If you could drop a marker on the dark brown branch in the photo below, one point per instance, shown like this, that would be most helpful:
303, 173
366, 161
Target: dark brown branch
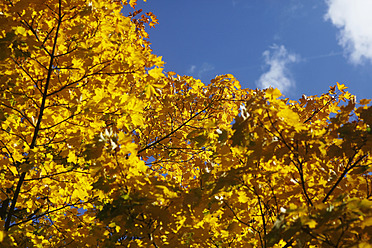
262, 216
56, 124
10, 156
172, 132
36, 131
298, 166
20, 112
318, 110
15, 134
52, 175
24, 70
236, 217
49, 212
347, 169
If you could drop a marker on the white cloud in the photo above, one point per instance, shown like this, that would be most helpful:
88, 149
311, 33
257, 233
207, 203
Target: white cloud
354, 19
191, 70
205, 67
278, 75
200, 71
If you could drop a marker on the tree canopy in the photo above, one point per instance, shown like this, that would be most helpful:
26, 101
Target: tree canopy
101, 148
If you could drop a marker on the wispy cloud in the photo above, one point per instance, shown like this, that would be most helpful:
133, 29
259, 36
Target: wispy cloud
199, 71
322, 56
278, 74
294, 7
235, 2
353, 19
192, 69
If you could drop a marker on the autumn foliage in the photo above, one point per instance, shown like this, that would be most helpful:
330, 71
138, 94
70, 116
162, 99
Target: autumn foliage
100, 148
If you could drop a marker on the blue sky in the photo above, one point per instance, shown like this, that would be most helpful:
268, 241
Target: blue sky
301, 47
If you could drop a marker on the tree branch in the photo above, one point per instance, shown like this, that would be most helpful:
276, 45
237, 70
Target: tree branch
341, 177
37, 127
172, 132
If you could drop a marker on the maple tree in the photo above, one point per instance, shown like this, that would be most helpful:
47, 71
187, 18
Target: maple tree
99, 147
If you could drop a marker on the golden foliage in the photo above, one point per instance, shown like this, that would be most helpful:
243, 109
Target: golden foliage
101, 148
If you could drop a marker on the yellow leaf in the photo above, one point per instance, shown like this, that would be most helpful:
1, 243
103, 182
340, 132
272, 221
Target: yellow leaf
364, 245
367, 222
150, 91
341, 87
242, 197
13, 169
2, 236
137, 119
133, 3
99, 94
141, 166
311, 223
71, 157
292, 206
97, 124
273, 93
20, 30
156, 73
224, 234
124, 138
79, 193
290, 117
167, 192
